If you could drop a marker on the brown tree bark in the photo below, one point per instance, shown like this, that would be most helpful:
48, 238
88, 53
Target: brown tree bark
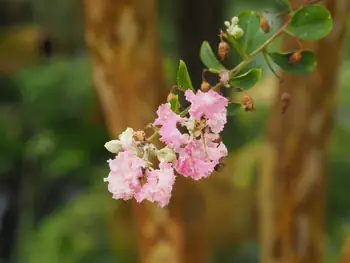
122, 37
345, 254
293, 179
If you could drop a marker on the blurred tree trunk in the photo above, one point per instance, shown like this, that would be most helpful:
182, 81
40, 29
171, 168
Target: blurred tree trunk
293, 179
345, 254
123, 39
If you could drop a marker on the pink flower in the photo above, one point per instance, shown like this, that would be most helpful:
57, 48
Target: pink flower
169, 133
209, 104
124, 177
197, 160
192, 163
166, 115
215, 150
217, 122
159, 185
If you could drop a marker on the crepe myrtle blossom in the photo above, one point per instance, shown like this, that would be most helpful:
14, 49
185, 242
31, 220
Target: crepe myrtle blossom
210, 105
194, 154
125, 172
194, 151
200, 157
159, 185
168, 121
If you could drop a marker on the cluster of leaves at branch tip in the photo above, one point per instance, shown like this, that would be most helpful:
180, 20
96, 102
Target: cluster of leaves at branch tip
196, 149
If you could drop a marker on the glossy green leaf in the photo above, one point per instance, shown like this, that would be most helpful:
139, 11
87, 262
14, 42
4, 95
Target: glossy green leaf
246, 80
233, 42
249, 21
183, 78
305, 65
233, 108
311, 22
209, 59
175, 104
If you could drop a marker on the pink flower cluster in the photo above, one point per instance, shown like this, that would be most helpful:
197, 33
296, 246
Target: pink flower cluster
193, 149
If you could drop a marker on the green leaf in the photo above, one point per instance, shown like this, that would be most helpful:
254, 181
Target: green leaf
305, 65
286, 3
175, 104
209, 59
183, 78
233, 108
311, 22
233, 42
246, 80
249, 21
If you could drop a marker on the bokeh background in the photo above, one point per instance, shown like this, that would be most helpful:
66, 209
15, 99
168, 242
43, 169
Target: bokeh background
54, 206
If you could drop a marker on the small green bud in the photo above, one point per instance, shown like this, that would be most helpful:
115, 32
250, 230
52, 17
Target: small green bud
114, 146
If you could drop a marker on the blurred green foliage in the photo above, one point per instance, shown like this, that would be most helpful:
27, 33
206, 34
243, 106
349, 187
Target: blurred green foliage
46, 120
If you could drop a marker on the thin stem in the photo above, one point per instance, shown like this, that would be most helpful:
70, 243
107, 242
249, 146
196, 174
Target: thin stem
252, 55
205, 145
203, 74
270, 66
154, 135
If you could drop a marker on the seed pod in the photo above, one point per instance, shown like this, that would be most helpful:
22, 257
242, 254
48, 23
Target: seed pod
285, 100
264, 25
223, 50
248, 103
205, 86
295, 57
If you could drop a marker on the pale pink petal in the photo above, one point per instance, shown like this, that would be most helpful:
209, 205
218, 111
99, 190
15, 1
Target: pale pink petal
159, 185
123, 180
210, 105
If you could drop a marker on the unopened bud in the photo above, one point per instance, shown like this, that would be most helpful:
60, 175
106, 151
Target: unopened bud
248, 103
285, 100
234, 20
171, 96
205, 86
140, 135
237, 32
295, 57
223, 50
264, 25
114, 146
224, 76
166, 155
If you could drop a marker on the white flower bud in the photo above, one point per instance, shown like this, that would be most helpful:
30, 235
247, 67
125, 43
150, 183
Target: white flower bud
237, 32
114, 146
126, 137
166, 155
234, 21
227, 24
